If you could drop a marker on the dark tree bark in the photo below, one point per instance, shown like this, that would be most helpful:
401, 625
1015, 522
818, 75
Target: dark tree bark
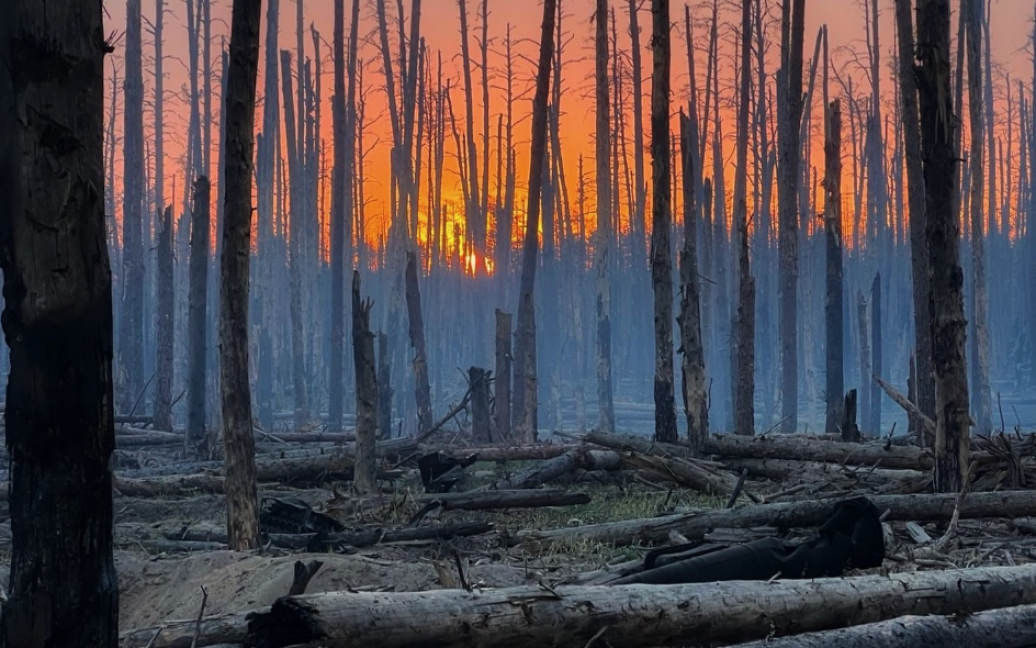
165, 324
385, 391
638, 224
876, 369
910, 117
366, 390
423, 391
695, 391
197, 440
606, 415
942, 233
525, 377
479, 386
339, 190
502, 377
59, 421
131, 319
834, 295
238, 441
661, 261
789, 89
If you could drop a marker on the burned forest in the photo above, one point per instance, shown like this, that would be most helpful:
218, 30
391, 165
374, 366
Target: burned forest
588, 323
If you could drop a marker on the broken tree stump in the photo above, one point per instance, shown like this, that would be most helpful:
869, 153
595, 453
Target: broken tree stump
629, 615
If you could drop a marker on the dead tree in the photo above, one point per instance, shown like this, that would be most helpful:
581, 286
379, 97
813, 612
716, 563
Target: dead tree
789, 109
834, 295
744, 402
910, 117
366, 390
165, 324
197, 437
875, 394
606, 411
238, 441
942, 234
661, 262
478, 383
695, 391
420, 363
525, 377
59, 418
339, 190
502, 378
638, 223
980, 290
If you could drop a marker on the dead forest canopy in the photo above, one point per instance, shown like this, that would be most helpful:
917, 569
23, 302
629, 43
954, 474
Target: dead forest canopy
420, 142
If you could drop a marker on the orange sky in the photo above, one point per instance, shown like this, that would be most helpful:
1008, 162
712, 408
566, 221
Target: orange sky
1011, 27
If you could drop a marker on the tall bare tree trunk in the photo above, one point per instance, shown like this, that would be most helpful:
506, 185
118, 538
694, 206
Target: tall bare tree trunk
420, 363
366, 390
606, 411
910, 117
165, 324
502, 378
238, 441
834, 296
789, 89
638, 224
197, 438
661, 261
744, 403
525, 377
980, 344
942, 233
131, 325
695, 391
339, 190
59, 421
874, 399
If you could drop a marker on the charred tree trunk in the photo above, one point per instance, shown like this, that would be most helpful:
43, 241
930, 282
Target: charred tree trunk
197, 438
131, 324
502, 377
606, 416
238, 442
834, 296
478, 383
366, 390
638, 223
339, 190
525, 377
661, 262
744, 401
59, 417
909, 115
942, 233
385, 391
695, 393
874, 400
413, 306
165, 325
980, 345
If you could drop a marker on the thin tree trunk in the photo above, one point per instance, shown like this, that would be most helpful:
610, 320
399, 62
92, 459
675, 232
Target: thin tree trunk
131, 324
366, 390
420, 363
603, 236
834, 297
916, 202
197, 438
525, 376
876, 368
63, 585
942, 233
238, 441
980, 345
165, 324
339, 190
479, 386
502, 377
638, 225
385, 391
661, 262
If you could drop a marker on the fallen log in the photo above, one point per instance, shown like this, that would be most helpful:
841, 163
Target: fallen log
146, 440
629, 615
927, 424
784, 468
804, 448
376, 535
504, 453
1013, 627
496, 499
687, 472
785, 515
208, 631
546, 471
632, 443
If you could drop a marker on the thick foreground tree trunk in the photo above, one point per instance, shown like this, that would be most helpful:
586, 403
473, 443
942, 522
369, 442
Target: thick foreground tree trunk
59, 415
694, 526
423, 391
629, 615
238, 441
834, 295
1013, 627
366, 389
695, 389
606, 416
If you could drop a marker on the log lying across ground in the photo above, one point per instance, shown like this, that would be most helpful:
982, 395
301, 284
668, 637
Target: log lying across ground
694, 526
506, 453
804, 448
1013, 627
496, 499
629, 615
372, 536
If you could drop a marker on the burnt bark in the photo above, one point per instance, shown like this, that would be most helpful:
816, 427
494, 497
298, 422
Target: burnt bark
502, 380
661, 260
339, 191
60, 430
238, 441
603, 235
165, 324
197, 442
834, 295
478, 383
423, 391
366, 389
385, 391
695, 391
